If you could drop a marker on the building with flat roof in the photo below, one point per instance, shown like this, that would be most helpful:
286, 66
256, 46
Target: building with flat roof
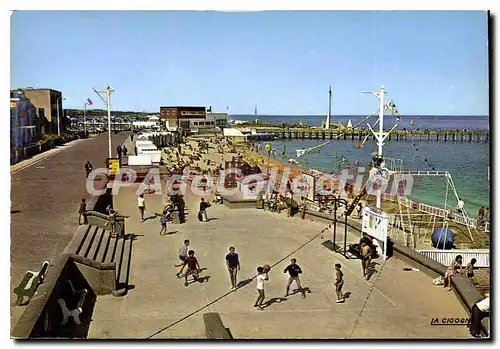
48, 103
192, 118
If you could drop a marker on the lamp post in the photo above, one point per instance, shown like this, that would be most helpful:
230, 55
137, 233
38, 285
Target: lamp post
57, 107
108, 92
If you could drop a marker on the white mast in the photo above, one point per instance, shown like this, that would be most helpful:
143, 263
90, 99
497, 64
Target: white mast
327, 125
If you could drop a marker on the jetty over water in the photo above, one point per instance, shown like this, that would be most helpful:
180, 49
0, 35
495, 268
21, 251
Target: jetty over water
360, 134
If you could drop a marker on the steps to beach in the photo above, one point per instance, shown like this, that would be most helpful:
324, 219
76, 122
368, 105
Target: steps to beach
96, 244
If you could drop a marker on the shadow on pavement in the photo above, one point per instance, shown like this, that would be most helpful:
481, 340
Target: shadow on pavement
272, 301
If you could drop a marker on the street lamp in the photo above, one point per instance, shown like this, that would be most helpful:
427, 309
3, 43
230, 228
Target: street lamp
57, 107
108, 92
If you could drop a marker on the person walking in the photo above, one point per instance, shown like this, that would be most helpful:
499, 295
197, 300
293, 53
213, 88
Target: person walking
233, 265
183, 254
163, 221
202, 214
88, 168
366, 254
339, 282
261, 277
480, 310
82, 212
460, 205
124, 150
293, 271
119, 151
141, 205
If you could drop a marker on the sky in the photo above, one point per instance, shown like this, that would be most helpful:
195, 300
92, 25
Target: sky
431, 63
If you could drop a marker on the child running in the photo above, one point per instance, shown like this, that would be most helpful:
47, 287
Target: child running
339, 282
192, 266
260, 287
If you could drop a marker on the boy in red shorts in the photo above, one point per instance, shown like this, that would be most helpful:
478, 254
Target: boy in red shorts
193, 267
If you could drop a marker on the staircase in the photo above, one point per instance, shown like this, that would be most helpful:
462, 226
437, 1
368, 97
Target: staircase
95, 243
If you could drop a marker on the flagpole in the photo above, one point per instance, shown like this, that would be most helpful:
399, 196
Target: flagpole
85, 118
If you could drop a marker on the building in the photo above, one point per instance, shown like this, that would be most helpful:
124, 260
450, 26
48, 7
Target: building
25, 125
192, 119
181, 117
48, 103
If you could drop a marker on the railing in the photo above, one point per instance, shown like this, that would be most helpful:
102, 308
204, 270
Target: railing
445, 257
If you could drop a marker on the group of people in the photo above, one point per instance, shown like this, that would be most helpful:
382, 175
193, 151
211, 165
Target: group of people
189, 261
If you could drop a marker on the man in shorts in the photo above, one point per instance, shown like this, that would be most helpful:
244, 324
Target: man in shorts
233, 265
193, 268
294, 270
183, 254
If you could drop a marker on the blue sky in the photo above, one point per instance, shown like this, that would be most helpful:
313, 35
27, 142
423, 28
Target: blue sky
430, 62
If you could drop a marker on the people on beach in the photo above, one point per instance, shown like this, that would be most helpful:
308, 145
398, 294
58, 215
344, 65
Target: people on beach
202, 214
451, 271
480, 310
163, 221
82, 212
261, 277
469, 270
141, 205
183, 254
193, 268
339, 282
233, 265
293, 270
88, 168
365, 253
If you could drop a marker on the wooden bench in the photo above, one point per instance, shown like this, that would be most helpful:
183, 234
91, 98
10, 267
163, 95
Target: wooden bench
29, 284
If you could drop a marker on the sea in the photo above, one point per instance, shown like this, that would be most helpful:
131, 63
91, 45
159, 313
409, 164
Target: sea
468, 163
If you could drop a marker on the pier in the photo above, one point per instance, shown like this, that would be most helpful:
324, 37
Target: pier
456, 136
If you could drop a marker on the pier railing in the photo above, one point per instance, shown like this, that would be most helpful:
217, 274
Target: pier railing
360, 134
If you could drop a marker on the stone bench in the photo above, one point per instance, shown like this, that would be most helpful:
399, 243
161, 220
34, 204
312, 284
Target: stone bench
214, 328
29, 284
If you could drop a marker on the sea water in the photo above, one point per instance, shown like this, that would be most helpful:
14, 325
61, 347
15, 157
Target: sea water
468, 163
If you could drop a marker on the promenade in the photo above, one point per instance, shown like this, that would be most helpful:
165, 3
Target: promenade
45, 195
392, 304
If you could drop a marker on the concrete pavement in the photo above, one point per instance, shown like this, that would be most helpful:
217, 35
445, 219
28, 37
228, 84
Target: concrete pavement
392, 304
44, 202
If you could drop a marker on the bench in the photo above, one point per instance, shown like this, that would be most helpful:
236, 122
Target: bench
29, 284
214, 328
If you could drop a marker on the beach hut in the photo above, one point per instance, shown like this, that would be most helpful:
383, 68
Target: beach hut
234, 135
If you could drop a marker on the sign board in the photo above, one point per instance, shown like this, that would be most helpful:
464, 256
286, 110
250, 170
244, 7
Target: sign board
304, 185
113, 165
376, 224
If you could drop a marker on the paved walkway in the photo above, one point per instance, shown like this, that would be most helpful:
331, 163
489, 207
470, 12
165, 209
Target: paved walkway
392, 304
44, 204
